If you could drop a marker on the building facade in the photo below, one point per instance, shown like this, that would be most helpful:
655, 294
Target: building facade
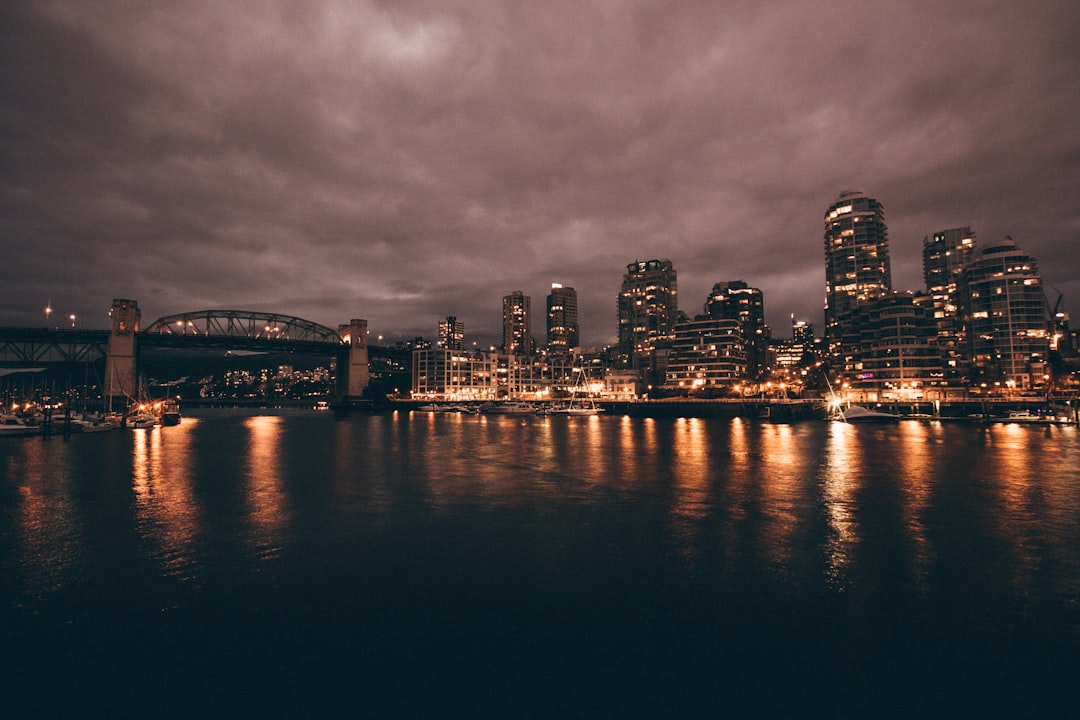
648, 307
444, 374
857, 266
945, 255
1007, 316
708, 353
517, 324
451, 334
562, 319
897, 357
735, 300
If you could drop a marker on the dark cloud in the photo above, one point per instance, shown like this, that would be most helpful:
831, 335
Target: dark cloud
404, 161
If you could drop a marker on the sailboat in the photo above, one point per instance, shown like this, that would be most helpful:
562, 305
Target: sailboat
584, 405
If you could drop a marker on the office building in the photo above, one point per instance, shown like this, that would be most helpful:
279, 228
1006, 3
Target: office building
856, 261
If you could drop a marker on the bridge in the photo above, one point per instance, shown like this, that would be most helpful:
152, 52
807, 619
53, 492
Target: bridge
205, 329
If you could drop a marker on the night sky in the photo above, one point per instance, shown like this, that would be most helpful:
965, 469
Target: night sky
404, 161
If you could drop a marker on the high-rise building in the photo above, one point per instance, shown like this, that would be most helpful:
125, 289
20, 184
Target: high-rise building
451, 334
517, 324
648, 311
945, 254
735, 300
562, 319
897, 356
856, 260
1007, 325
797, 351
708, 353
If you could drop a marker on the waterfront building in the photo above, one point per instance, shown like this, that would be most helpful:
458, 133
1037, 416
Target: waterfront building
648, 308
796, 352
446, 374
735, 300
535, 377
896, 353
857, 266
562, 319
1007, 324
945, 255
451, 334
517, 324
708, 353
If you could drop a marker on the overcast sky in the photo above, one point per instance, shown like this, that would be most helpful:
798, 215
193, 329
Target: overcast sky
404, 161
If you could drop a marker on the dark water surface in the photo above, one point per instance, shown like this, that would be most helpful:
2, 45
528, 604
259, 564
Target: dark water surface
401, 565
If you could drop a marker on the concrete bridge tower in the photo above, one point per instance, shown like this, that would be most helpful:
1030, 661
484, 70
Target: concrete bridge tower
121, 361
353, 372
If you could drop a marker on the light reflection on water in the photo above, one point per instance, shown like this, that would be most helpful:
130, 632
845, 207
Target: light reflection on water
168, 514
266, 499
590, 524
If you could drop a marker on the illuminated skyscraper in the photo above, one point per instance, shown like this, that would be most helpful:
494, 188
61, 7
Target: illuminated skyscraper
562, 319
945, 254
1007, 321
735, 300
856, 260
451, 334
517, 324
648, 311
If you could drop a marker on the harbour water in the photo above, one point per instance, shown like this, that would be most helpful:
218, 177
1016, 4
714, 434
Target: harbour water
290, 564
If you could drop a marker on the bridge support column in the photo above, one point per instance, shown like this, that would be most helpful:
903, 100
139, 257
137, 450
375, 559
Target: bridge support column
353, 372
121, 360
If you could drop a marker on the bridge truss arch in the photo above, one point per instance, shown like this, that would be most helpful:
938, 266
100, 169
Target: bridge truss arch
221, 325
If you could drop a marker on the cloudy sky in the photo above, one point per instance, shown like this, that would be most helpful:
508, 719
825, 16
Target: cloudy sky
403, 161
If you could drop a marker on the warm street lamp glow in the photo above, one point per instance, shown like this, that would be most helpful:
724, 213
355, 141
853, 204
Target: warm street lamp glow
73, 321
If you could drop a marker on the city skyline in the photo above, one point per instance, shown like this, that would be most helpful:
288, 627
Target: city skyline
403, 163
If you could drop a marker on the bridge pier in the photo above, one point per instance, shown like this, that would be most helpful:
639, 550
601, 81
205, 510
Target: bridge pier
121, 371
353, 371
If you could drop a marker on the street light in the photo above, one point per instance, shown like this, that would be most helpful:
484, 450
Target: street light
72, 322
48, 312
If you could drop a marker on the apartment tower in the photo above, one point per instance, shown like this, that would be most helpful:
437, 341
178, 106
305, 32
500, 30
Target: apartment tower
517, 324
856, 261
562, 319
648, 311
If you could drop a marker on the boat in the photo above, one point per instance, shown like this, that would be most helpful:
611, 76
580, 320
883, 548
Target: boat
141, 421
1026, 416
863, 415
510, 407
170, 413
581, 403
97, 423
15, 425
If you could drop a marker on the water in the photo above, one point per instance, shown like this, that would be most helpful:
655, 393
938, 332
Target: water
245, 565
